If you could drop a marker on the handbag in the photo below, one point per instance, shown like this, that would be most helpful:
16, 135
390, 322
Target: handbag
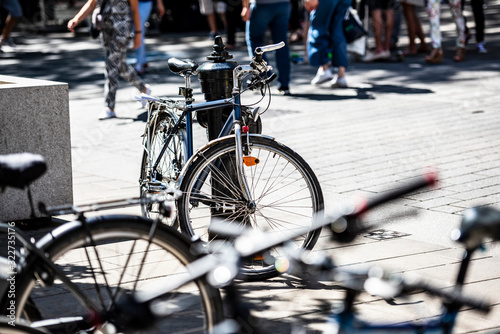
353, 29
97, 20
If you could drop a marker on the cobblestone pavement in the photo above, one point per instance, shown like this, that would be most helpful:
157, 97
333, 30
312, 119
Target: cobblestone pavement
394, 120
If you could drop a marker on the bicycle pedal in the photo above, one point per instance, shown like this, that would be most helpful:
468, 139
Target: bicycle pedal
250, 161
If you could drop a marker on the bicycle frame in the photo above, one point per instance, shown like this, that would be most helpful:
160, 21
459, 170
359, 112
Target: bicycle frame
233, 122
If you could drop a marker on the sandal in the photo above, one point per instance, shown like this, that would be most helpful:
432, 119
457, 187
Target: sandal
435, 57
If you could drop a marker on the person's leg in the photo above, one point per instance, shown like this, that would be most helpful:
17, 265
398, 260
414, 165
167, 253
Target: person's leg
279, 33
10, 23
419, 32
339, 45
411, 27
144, 12
112, 73
220, 9
207, 9
233, 15
377, 25
456, 11
478, 10
433, 10
396, 28
389, 24
116, 61
15, 12
338, 42
318, 39
256, 27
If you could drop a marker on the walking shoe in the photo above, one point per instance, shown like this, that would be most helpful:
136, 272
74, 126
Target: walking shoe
481, 48
284, 91
339, 83
322, 76
435, 56
148, 91
371, 56
8, 42
107, 114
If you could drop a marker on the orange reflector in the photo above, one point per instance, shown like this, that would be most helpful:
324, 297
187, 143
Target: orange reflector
258, 257
250, 161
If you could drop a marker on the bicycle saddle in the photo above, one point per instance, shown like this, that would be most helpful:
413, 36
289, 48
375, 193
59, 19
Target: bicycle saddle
182, 66
478, 224
20, 169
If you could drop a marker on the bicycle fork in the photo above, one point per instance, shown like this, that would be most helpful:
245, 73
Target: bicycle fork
240, 171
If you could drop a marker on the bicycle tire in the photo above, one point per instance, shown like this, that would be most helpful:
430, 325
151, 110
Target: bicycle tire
6, 328
130, 262
171, 164
286, 191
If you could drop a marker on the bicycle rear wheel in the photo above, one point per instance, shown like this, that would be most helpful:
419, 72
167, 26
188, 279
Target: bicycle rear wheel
127, 257
286, 194
152, 180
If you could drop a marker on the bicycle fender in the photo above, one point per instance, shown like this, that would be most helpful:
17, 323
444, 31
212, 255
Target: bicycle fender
207, 146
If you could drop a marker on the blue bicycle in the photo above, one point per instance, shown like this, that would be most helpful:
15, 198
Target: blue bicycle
242, 176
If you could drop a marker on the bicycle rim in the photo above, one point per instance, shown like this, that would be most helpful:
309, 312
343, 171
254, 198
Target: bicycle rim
170, 166
123, 261
284, 189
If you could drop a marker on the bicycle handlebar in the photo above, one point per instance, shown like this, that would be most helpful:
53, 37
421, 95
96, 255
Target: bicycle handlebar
454, 296
259, 51
348, 227
420, 182
249, 245
271, 47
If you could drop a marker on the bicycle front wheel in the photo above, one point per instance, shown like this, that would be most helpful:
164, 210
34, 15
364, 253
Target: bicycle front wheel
165, 174
125, 256
285, 192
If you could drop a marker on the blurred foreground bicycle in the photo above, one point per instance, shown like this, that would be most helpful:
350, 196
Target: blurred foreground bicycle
63, 282
223, 265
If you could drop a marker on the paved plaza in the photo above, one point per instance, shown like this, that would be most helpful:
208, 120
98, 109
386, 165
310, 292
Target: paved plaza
395, 120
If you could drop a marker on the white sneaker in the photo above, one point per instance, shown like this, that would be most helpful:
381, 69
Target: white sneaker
371, 56
481, 48
339, 83
148, 91
322, 76
107, 114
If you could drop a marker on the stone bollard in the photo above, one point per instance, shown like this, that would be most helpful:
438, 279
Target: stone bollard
34, 117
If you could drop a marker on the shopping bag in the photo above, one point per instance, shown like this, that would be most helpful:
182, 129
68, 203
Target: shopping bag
358, 46
353, 29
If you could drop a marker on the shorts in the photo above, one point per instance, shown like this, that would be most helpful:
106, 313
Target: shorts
13, 7
207, 7
381, 4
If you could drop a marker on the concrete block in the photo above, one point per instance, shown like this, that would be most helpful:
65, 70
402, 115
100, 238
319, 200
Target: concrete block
34, 117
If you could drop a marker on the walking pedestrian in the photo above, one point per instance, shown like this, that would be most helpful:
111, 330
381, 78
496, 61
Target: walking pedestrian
478, 11
414, 27
274, 14
434, 11
209, 8
325, 31
382, 13
15, 13
145, 8
115, 36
